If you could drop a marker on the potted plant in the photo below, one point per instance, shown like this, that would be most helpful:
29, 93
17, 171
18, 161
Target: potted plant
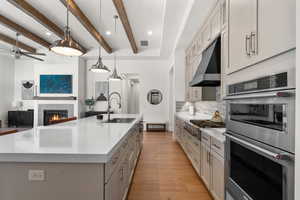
90, 103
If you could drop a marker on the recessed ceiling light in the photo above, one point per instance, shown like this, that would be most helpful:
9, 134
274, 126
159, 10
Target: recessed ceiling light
48, 33
108, 33
150, 33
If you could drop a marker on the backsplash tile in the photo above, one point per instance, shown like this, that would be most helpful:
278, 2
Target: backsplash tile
207, 107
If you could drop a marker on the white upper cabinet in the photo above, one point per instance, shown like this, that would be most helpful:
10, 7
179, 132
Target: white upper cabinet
224, 13
242, 21
215, 22
276, 27
206, 34
224, 61
259, 30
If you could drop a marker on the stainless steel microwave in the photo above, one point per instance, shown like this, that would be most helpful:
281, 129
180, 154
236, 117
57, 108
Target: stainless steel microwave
267, 117
264, 110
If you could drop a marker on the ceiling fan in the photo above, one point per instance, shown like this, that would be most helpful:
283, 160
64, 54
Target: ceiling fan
17, 53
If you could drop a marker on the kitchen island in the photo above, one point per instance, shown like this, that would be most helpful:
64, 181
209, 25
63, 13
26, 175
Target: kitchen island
84, 159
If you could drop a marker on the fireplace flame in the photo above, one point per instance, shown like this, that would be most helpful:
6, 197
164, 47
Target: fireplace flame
55, 118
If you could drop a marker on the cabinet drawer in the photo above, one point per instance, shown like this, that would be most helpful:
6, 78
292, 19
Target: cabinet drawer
205, 138
112, 164
194, 142
194, 157
217, 147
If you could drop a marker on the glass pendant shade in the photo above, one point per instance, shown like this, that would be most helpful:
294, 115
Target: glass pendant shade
99, 67
67, 46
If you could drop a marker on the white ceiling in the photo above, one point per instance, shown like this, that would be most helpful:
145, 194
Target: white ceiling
165, 18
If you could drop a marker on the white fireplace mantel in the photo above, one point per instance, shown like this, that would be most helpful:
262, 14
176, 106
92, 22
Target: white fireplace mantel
58, 104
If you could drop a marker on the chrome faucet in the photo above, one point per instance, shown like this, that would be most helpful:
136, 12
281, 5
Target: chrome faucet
109, 102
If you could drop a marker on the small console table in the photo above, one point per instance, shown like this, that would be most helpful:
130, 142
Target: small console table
156, 127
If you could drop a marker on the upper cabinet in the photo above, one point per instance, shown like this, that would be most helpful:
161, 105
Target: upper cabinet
276, 27
242, 22
258, 30
215, 22
224, 13
210, 30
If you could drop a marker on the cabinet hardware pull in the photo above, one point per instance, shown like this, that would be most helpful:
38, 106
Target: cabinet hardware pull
247, 40
266, 152
207, 157
253, 43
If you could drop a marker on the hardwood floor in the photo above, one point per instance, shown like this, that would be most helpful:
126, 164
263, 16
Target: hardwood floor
165, 173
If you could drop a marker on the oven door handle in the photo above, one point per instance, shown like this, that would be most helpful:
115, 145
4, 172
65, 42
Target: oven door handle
268, 95
277, 156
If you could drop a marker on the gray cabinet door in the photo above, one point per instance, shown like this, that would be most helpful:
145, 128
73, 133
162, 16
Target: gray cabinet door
224, 62
113, 189
276, 27
205, 166
242, 21
217, 176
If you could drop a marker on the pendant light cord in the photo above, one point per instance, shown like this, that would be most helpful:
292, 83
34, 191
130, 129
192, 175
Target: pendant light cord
116, 17
67, 13
100, 18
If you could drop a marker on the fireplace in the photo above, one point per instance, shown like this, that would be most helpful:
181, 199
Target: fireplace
51, 116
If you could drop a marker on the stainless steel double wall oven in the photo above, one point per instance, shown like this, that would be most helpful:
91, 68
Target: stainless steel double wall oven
260, 138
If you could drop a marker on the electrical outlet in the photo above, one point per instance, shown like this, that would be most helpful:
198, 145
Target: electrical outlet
36, 175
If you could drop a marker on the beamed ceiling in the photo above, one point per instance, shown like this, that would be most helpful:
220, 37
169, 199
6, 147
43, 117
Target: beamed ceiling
35, 18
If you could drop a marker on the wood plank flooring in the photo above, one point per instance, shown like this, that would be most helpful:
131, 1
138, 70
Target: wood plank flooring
164, 172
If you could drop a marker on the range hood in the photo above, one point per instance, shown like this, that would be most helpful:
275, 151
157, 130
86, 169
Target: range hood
208, 73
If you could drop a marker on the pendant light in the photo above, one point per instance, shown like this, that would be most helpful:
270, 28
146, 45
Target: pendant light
99, 67
67, 46
115, 76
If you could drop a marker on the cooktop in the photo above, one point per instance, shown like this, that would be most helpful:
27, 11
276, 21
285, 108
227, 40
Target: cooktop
207, 124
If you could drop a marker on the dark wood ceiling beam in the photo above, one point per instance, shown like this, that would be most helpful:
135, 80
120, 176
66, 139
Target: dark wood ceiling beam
83, 19
124, 19
41, 18
13, 42
23, 31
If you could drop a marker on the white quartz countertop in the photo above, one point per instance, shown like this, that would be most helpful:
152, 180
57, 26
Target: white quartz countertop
85, 140
217, 133
187, 117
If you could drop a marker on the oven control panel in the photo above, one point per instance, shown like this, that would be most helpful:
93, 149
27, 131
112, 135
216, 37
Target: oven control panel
264, 83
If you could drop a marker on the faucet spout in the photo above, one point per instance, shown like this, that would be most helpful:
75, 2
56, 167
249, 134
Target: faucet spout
109, 102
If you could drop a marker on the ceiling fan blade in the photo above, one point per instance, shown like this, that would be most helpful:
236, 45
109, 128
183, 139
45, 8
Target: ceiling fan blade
30, 53
31, 57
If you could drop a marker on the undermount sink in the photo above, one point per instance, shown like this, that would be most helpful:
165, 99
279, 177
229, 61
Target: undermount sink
120, 120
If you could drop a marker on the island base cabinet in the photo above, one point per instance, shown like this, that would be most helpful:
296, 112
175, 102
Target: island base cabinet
108, 180
61, 181
114, 188
117, 185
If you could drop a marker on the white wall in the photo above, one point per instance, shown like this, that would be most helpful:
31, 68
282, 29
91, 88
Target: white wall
6, 86
179, 74
297, 152
153, 74
26, 69
171, 99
